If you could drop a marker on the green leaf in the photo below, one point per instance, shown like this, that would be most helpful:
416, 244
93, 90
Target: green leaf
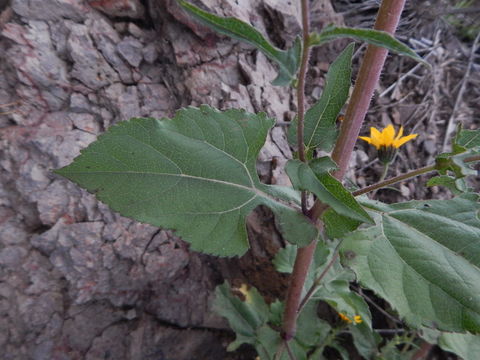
335, 290
337, 226
288, 60
320, 130
424, 258
469, 139
285, 258
329, 190
455, 162
467, 346
322, 165
244, 317
194, 173
366, 340
374, 37
456, 186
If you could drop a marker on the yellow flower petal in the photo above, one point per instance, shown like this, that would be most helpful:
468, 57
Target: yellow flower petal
376, 137
366, 138
388, 134
403, 140
400, 133
357, 319
344, 318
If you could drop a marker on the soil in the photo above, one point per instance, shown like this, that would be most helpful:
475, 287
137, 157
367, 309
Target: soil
78, 281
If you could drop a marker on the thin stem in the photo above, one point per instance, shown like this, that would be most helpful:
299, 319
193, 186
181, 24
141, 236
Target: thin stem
279, 353
406, 176
289, 351
318, 280
394, 180
301, 91
304, 255
386, 166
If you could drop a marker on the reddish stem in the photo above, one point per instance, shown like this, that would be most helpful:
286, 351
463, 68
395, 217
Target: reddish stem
369, 73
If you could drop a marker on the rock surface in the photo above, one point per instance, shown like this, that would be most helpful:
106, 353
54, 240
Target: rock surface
78, 281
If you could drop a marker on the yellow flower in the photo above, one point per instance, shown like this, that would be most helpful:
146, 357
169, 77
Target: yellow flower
386, 142
244, 291
344, 318
357, 319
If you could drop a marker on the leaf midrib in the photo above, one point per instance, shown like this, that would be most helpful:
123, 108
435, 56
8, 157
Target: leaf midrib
254, 190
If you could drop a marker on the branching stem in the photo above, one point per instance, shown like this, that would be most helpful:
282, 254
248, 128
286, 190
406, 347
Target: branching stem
387, 20
406, 176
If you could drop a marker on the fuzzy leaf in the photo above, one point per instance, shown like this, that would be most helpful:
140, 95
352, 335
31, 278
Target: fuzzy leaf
456, 186
194, 173
336, 225
467, 346
329, 190
374, 37
424, 258
320, 130
469, 139
288, 60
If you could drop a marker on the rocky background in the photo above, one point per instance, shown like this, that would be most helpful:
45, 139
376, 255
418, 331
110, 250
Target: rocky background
78, 281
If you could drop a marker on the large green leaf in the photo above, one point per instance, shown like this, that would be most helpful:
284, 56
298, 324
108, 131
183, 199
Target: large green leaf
467, 346
194, 173
320, 130
374, 37
328, 189
424, 258
287, 60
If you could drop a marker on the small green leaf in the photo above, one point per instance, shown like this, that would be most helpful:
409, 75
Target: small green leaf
455, 162
329, 190
424, 258
288, 60
320, 130
285, 258
374, 37
244, 317
335, 290
456, 186
337, 226
469, 139
194, 173
467, 346
366, 340
322, 165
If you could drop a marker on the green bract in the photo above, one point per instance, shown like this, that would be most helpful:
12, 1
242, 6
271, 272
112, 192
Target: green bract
194, 173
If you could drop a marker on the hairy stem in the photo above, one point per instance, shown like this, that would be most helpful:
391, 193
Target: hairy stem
387, 20
318, 281
406, 176
304, 255
301, 91
368, 75
394, 180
